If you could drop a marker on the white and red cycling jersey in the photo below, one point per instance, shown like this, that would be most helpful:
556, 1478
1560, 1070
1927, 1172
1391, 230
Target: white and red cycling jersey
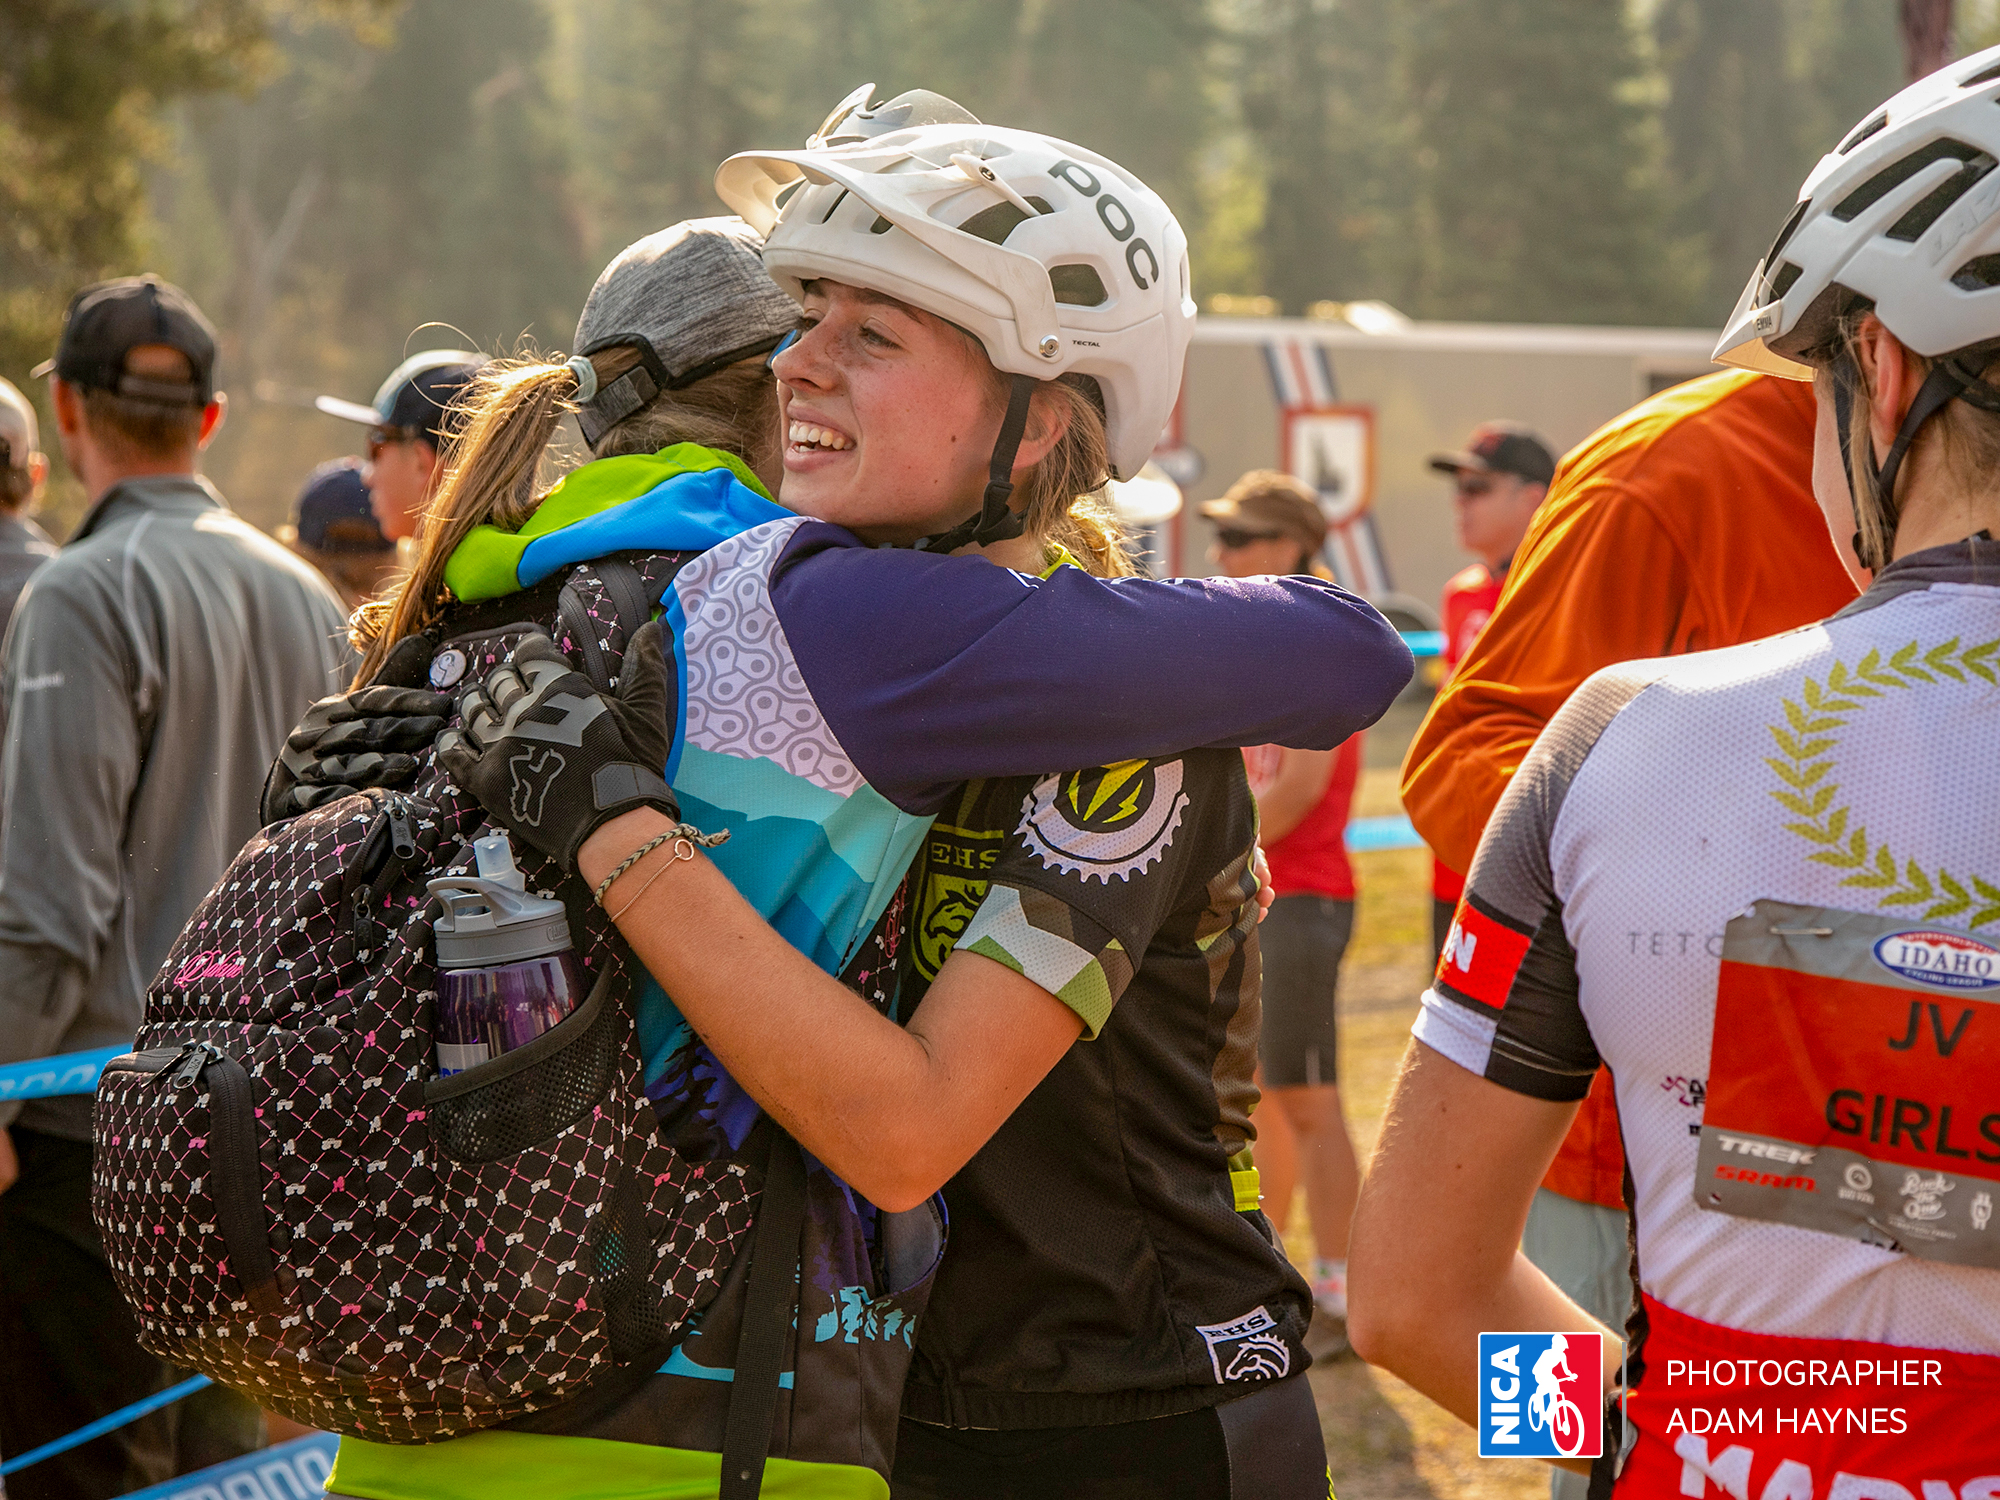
1762, 885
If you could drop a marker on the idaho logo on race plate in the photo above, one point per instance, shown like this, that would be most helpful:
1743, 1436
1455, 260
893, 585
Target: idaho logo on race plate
1946, 960
1108, 823
1541, 1395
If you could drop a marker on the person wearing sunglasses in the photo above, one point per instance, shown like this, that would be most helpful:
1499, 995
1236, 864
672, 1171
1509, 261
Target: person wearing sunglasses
408, 423
1271, 523
1498, 479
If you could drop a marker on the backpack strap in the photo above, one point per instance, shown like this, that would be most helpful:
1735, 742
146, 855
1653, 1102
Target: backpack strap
768, 1301
631, 599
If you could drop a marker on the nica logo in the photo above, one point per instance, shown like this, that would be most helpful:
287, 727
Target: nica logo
1541, 1395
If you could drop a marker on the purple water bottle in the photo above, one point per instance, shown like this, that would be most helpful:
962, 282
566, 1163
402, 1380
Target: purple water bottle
507, 971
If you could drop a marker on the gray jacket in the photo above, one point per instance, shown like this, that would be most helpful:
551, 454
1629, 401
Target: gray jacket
153, 670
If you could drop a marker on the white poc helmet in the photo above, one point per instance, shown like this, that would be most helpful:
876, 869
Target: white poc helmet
1057, 260
1905, 213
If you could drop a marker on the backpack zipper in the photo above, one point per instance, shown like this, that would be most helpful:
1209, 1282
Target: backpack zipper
236, 1181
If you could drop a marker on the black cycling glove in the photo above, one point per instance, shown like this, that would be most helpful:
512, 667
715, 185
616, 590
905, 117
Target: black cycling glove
551, 758
358, 739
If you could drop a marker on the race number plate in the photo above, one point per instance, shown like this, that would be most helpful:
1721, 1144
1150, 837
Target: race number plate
1854, 1081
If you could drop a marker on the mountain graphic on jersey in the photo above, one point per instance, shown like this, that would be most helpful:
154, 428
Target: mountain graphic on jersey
1107, 823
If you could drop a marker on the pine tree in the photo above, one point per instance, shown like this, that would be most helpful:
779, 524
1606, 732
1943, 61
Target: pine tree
1323, 97
1540, 195
1733, 131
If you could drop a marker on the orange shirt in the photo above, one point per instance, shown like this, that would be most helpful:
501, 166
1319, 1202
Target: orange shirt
1685, 524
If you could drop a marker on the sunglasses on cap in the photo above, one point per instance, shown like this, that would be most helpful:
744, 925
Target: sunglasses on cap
382, 434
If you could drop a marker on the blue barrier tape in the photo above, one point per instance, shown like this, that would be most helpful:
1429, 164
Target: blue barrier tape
47, 1077
102, 1425
1423, 642
284, 1471
1370, 835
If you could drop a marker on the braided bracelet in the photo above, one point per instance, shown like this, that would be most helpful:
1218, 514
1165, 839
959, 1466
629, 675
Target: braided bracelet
686, 835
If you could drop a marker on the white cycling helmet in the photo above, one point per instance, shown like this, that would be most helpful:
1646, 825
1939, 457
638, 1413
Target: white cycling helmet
1903, 215
1058, 261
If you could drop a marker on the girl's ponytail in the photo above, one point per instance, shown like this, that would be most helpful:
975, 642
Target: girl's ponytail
511, 412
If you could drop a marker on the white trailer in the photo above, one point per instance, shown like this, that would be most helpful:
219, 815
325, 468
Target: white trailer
1355, 404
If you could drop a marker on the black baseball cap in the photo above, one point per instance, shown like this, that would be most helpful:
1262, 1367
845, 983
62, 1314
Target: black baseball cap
334, 512
419, 396
1501, 448
105, 322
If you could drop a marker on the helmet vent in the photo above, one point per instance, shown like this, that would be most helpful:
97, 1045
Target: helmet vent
1898, 172
1979, 274
996, 223
1078, 286
1913, 224
880, 226
1861, 133
1781, 283
1785, 235
1985, 75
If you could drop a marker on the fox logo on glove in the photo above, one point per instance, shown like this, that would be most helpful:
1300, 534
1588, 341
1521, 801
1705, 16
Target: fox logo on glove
533, 773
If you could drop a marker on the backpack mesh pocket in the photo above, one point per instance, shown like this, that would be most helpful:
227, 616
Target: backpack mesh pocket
527, 1097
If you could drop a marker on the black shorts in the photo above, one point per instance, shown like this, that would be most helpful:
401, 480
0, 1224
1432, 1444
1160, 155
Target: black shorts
1302, 941
1263, 1446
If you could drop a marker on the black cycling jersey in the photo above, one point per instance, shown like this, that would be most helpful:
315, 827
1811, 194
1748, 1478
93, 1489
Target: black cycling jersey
1105, 1264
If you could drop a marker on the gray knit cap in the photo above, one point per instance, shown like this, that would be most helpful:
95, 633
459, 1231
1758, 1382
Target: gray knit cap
691, 298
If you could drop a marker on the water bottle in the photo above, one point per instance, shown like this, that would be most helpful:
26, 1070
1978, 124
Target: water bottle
507, 971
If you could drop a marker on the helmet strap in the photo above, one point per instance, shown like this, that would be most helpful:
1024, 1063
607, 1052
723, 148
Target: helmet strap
996, 521
1948, 380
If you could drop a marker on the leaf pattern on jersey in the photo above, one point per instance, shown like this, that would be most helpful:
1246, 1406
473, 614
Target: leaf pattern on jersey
1804, 763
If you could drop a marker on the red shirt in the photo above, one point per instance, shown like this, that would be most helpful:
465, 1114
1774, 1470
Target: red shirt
1312, 860
1469, 599
1468, 604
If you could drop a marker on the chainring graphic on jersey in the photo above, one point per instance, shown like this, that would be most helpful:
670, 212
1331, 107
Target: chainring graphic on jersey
1805, 741
1107, 823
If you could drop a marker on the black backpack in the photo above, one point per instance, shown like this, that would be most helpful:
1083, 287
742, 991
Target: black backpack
293, 1203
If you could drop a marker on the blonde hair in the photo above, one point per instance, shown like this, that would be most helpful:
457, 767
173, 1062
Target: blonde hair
1062, 498
1968, 439
511, 412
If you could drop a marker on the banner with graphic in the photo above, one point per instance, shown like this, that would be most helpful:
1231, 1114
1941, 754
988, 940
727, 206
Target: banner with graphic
1331, 447
289, 1471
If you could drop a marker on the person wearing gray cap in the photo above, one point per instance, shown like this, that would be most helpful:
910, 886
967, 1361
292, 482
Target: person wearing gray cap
24, 470
413, 417
149, 676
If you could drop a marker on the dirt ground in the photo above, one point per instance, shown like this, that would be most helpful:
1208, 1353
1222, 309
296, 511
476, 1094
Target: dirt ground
1386, 1442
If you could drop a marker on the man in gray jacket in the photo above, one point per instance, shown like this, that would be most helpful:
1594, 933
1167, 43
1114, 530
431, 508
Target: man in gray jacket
152, 672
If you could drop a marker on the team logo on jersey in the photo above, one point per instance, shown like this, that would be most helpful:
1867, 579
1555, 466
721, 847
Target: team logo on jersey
1481, 956
1944, 960
1246, 1348
1540, 1395
957, 863
1107, 823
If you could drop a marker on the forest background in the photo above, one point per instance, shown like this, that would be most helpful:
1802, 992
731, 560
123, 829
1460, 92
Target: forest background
328, 176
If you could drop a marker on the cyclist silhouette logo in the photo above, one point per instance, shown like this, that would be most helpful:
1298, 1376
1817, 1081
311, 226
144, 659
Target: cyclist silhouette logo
1540, 1395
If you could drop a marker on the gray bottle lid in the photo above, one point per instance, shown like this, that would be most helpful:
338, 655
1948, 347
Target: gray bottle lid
489, 919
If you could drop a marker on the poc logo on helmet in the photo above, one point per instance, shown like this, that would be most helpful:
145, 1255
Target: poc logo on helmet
1115, 217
